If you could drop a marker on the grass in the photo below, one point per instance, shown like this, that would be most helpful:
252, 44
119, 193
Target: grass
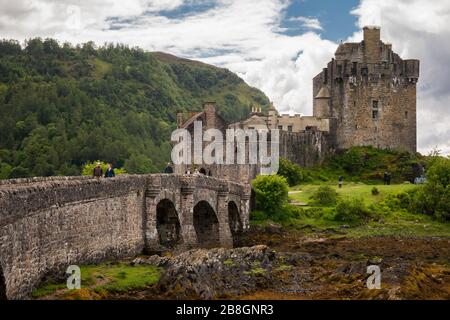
351, 190
311, 219
104, 279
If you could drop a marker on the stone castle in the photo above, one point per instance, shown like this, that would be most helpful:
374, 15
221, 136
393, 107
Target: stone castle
365, 96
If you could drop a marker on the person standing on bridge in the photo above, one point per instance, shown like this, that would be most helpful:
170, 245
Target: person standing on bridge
109, 173
169, 168
98, 171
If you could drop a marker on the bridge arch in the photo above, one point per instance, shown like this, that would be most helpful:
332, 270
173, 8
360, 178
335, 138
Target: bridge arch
206, 225
2, 285
234, 219
167, 224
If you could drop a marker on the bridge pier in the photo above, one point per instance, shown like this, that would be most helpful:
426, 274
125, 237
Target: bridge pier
151, 237
225, 237
186, 215
245, 209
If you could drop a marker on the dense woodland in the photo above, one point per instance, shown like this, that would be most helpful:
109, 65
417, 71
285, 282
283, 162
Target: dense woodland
62, 105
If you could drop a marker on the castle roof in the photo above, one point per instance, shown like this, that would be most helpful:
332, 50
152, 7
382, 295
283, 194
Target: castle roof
324, 93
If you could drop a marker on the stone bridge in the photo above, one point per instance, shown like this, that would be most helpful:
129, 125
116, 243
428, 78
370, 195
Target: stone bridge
47, 224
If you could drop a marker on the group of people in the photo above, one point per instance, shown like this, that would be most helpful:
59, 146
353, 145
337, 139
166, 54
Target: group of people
169, 169
98, 171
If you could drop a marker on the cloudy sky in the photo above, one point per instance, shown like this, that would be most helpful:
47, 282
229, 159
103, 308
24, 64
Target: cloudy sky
275, 45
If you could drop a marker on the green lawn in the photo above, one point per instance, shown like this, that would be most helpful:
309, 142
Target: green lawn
351, 190
318, 220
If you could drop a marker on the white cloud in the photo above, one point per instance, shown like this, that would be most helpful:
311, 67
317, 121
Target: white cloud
310, 23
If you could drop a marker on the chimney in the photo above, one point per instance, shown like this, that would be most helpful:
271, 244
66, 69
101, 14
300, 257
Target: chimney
209, 108
372, 45
180, 119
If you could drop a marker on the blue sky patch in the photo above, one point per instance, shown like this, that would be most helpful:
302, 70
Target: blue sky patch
335, 18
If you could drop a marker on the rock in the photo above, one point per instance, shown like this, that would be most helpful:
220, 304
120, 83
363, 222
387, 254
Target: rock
213, 273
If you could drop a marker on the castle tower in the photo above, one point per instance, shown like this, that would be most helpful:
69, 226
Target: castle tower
322, 103
272, 122
372, 44
372, 95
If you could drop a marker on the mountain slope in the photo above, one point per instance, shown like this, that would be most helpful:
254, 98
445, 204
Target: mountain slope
61, 106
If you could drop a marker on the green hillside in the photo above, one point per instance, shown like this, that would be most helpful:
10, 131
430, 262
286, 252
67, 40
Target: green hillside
61, 106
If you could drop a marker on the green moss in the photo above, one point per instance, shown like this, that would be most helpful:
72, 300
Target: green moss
120, 277
256, 271
48, 289
284, 267
100, 280
229, 262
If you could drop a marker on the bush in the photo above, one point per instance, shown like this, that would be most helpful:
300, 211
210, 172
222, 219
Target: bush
290, 171
351, 210
271, 192
258, 216
375, 191
325, 196
88, 168
433, 198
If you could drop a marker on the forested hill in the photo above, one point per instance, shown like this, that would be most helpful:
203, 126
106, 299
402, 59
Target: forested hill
61, 106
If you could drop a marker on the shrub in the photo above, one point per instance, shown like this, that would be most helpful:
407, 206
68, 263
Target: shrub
433, 197
88, 168
325, 196
351, 210
258, 216
375, 191
290, 171
271, 192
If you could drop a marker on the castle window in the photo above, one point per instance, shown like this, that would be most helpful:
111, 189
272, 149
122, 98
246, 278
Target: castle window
280, 127
290, 128
365, 71
406, 114
375, 104
374, 114
355, 68
374, 109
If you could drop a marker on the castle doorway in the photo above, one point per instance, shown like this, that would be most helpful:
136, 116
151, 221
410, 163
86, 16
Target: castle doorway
234, 220
206, 225
2, 285
167, 224
203, 171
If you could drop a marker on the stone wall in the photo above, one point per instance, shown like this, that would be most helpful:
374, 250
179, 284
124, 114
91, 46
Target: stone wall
47, 224
306, 148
